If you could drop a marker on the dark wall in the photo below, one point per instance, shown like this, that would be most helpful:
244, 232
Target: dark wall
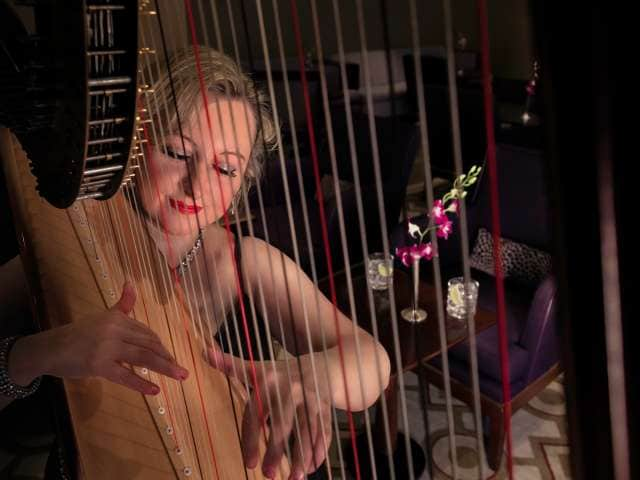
511, 44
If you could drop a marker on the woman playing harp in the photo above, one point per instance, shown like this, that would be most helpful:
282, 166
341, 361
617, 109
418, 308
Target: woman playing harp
202, 155
221, 144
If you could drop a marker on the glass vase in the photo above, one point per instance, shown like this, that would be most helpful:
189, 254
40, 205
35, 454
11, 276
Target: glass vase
414, 314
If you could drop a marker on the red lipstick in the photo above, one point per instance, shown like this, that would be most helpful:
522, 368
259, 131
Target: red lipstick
183, 207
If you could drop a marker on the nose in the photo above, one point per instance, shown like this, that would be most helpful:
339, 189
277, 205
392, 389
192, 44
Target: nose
195, 180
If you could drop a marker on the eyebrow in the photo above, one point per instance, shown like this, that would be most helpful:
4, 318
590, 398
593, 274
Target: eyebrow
232, 152
179, 140
185, 137
224, 152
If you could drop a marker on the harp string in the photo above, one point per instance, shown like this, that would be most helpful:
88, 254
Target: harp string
227, 337
260, 287
386, 42
181, 313
243, 183
188, 273
216, 24
428, 179
495, 224
144, 248
189, 268
243, 191
305, 311
296, 418
360, 209
163, 387
238, 286
341, 224
307, 229
112, 227
117, 226
383, 227
261, 295
384, 15
325, 237
287, 199
133, 201
105, 229
464, 235
314, 371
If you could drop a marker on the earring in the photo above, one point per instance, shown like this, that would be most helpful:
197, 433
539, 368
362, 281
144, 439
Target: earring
234, 204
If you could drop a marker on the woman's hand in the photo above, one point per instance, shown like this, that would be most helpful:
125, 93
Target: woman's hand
99, 346
298, 397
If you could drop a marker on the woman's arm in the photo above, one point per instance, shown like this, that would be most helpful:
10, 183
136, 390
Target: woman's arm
98, 346
295, 307
350, 373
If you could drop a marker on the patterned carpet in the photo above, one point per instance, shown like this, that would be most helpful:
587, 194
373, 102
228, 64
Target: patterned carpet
540, 444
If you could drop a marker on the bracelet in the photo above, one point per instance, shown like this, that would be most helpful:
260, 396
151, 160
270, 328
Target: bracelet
7, 387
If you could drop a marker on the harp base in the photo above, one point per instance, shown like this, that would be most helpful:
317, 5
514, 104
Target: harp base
398, 461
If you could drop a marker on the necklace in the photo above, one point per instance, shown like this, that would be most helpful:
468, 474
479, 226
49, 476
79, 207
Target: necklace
166, 243
162, 241
190, 255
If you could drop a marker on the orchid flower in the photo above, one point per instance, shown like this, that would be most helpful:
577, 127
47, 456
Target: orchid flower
414, 253
439, 220
454, 206
445, 229
438, 213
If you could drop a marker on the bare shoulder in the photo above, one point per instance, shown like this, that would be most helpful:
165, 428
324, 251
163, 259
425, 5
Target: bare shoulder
217, 252
260, 259
257, 252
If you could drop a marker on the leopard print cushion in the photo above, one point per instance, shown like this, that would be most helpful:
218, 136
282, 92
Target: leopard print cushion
519, 262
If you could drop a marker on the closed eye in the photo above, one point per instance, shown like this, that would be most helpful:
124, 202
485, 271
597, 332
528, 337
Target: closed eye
178, 155
226, 169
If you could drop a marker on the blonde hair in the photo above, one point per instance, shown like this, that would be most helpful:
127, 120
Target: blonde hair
221, 75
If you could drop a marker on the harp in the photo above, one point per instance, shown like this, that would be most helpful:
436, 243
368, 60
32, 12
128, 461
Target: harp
73, 172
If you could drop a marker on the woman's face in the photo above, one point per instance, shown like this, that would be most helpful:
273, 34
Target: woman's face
194, 180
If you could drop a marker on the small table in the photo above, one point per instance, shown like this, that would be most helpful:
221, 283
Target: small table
418, 343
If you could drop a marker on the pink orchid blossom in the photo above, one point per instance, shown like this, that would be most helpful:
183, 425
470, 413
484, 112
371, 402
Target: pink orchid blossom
445, 229
438, 213
438, 219
414, 253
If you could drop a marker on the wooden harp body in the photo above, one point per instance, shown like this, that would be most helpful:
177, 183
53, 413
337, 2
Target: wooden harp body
72, 269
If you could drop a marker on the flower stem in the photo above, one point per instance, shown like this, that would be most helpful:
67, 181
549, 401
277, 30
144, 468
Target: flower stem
416, 283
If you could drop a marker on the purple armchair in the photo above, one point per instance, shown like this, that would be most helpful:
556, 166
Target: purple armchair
530, 308
533, 359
